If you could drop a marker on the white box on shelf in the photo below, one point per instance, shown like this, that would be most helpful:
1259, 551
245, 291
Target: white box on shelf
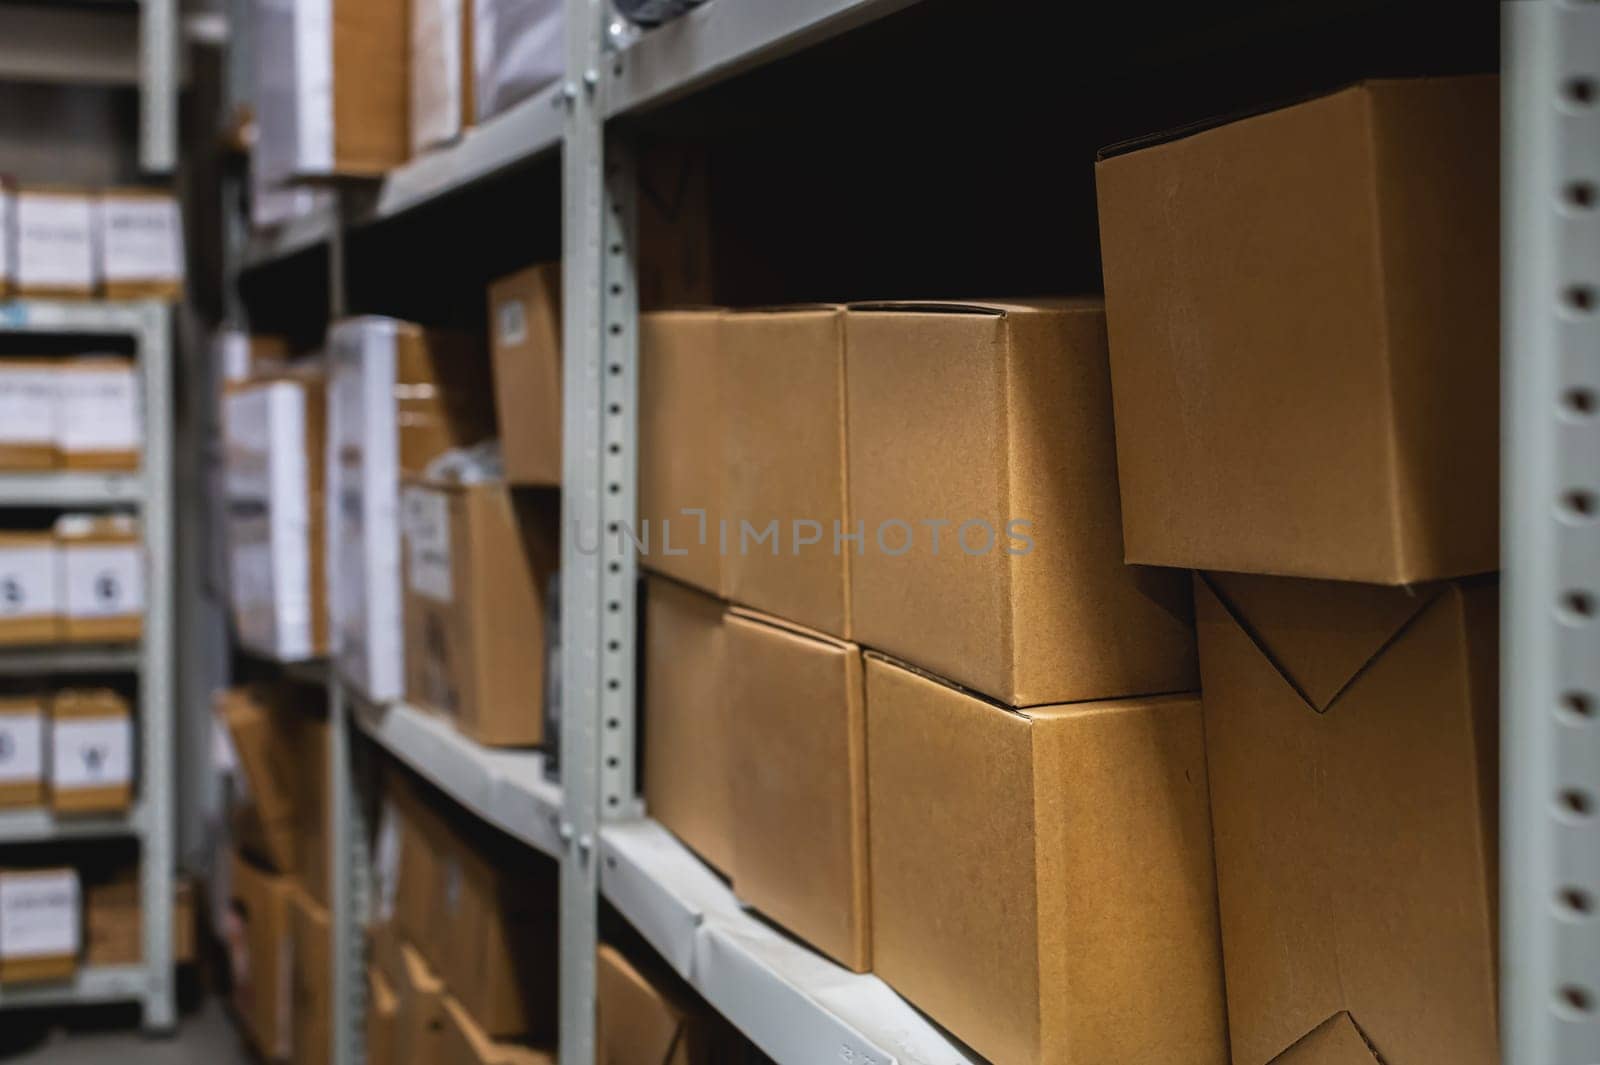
55, 243
518, 47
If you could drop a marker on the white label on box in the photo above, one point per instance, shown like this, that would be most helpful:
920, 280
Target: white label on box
7, 207
99, 409
28, 396
386, 861
21, 747
140, 239
39, 914
427, 529
91, 753
29, 583
513, 323
103, 580
55, 242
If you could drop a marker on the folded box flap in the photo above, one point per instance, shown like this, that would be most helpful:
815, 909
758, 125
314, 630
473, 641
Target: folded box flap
1320, 635
649, 1022
1336, 1041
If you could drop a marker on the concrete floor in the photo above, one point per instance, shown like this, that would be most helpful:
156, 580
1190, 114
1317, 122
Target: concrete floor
205, 1037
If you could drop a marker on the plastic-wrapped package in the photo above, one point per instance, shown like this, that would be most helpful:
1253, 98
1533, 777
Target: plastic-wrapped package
519, 47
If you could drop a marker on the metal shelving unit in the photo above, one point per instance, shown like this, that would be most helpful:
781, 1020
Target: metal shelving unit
151, 983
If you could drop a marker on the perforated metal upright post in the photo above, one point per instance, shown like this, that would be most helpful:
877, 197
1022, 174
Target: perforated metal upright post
1550, 683
158, 85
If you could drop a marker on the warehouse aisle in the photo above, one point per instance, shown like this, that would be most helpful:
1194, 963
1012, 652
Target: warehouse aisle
204, 1038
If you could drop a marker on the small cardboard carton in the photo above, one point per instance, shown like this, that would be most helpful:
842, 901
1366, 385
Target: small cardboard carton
1042, 881
429, 871
688, 778
55, 243
646, 1015
102, 578
787, 500
683, 448
311, 1015
478, 561
31, 605
260, 954
383, 1019
421, 1021
983, 471
91, 751
262, 724
525, 343
1351, 738
22, 750
99, 425
141, 244
798, 752
1305, 347
466, 1043
441, 72
29, 407
40, 925
114, 926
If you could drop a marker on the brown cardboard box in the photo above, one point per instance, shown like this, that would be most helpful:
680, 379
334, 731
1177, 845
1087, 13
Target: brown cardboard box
688, 782
1042, 881
31, 605
29, 395
383, 1020
786, 465
525, 342
1304, 337
1351, 737
114, 928
311, 1015
478, 559
442, 106
140, 251
428, 866
421, 1018
22, 750
313, 862
466, 1043
983, 469
645, 1015
683, 447
261, 723
798, 752
259, 950
91, 751
99, 419
102, 577
54, 236
40, 925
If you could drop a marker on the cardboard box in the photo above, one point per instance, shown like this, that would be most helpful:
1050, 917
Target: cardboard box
983, 471
141, 244
55, 243
421, 1020
40, 925
798, 755
466, 1043
688, 771
398, 396
645, 1015
262, 724
1305, 338
383, 1020
787, 499
311, 1015
429, 872
114, 926
91, 751
1351, 737
683, 442
30, 588
313, 860
519, 47
102, 578
22, 747
441, 72
478, 560
99, 424
1042, 881
260, 955
275, 462
29, 401
525, 344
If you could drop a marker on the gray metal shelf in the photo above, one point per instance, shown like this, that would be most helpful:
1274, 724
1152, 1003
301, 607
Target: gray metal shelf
69, 488
92, 986
33, 826
70, 658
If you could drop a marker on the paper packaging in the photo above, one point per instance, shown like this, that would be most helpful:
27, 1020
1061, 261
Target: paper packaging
266, 732
311, 808
141, 244
22, 747
983, 471
260, 951
1042, 882
441, 72
646, 1015
428, 867
114, 927
383, 1020
40, 919
98, 421
102, 578
786, 470
420, 1020
55, 243
682, 448
688, 783
477, 562
518, 47
466, 1043
30, 588
91, 751
398, 396
29, 398
1351, 735
525, 344
1304, 337
798, 752
310, 1014
273, 433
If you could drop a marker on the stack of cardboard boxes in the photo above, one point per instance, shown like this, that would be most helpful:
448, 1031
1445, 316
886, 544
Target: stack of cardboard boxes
69, 243
71, 750
914, 683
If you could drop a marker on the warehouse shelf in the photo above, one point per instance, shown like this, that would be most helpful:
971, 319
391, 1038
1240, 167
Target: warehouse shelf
796, 1005
69, 488
507, 789
92, 986
87, 317
33, 826
297, 235
68, 658
722, 38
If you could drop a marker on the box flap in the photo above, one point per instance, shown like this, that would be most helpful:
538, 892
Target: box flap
640, 1024
1320, 635
994, 307
1336, 1041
